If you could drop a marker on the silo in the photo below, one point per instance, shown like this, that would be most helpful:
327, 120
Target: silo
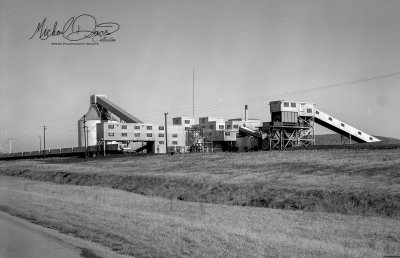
92, 118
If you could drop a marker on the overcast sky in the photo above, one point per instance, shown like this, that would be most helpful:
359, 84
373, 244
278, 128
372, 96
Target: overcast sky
243, 52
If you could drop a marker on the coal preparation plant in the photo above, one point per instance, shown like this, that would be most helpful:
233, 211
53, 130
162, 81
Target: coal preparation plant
107, 128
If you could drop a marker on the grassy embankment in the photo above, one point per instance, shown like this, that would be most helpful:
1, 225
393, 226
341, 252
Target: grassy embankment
363, 182
144, 226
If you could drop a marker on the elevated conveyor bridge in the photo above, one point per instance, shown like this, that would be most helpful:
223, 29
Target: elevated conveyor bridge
105, 106
342, 128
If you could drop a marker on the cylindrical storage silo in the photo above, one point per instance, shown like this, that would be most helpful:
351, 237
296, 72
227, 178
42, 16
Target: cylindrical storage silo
92, 119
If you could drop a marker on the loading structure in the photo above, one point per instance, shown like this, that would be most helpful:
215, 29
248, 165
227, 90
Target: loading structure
103, 113
292, 125
106, 108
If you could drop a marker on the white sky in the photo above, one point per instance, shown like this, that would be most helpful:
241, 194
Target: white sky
244, 52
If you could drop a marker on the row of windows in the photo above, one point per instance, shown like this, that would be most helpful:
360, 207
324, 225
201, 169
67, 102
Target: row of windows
161, 135
173, 142
149, 127
134, 135
293, 105
230, 127
177, 121
221, 127
286, 104
359, 133
343, 125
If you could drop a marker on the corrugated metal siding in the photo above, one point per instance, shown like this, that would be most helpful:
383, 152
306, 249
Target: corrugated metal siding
289, 117
285, 117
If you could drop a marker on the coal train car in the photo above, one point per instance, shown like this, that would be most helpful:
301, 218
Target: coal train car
63, 152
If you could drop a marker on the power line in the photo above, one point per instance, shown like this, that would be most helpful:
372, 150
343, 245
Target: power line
226, 105
61, 129
26, 134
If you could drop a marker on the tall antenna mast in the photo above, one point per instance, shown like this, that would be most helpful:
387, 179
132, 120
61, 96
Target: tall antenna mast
193, 91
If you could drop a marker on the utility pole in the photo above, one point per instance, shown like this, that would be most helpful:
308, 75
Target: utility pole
44, 141
40, 144
87, 139
10, 140
166, 133
193, 91
84, 135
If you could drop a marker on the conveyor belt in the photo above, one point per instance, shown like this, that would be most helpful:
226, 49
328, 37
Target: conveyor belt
116, 110
342, 128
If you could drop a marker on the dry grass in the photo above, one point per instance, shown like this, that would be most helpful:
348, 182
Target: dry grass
372, 170
155, 227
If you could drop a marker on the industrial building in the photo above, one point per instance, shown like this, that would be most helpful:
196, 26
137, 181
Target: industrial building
292, 125
106, 127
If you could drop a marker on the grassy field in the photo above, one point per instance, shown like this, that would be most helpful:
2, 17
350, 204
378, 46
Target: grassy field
144, 226
375, 170
363, 182
333, 139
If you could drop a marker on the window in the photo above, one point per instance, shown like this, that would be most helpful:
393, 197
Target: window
370, 138
124, 127
174, 135
161, 142
317, 112
187, 121
211, 127
160, 135
235, 126
124, 134
330, 118
342, 124
136, 135
149, 127
110, 134
228, 127
221, 127
174, 143
176, 121
161, 128
137, 127
292, 104
359, 133
187, 128
203, 120
149, 135
110, 126
203, 126
286, 104
227, 133
309, 110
